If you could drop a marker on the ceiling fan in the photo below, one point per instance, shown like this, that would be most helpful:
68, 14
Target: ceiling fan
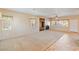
56, 17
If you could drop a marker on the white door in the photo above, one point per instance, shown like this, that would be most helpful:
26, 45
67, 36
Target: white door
74, 25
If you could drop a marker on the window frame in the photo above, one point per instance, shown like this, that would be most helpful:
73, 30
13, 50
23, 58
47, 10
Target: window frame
6, 23
62, 21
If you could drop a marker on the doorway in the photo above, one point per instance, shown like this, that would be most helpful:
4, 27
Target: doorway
42, 24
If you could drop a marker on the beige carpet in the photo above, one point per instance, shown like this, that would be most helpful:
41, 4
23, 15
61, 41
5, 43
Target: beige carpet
68, 42
32, 42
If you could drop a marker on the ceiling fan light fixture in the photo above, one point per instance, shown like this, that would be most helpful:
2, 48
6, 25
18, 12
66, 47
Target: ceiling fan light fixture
56, 17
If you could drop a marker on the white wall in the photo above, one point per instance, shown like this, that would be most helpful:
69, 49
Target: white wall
20, 25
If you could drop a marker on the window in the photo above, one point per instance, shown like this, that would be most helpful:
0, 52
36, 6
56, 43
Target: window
65, 23
5, 23
53, 22
32, 21
60, 23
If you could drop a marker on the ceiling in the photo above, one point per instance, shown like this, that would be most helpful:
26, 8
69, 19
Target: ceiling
48, 12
